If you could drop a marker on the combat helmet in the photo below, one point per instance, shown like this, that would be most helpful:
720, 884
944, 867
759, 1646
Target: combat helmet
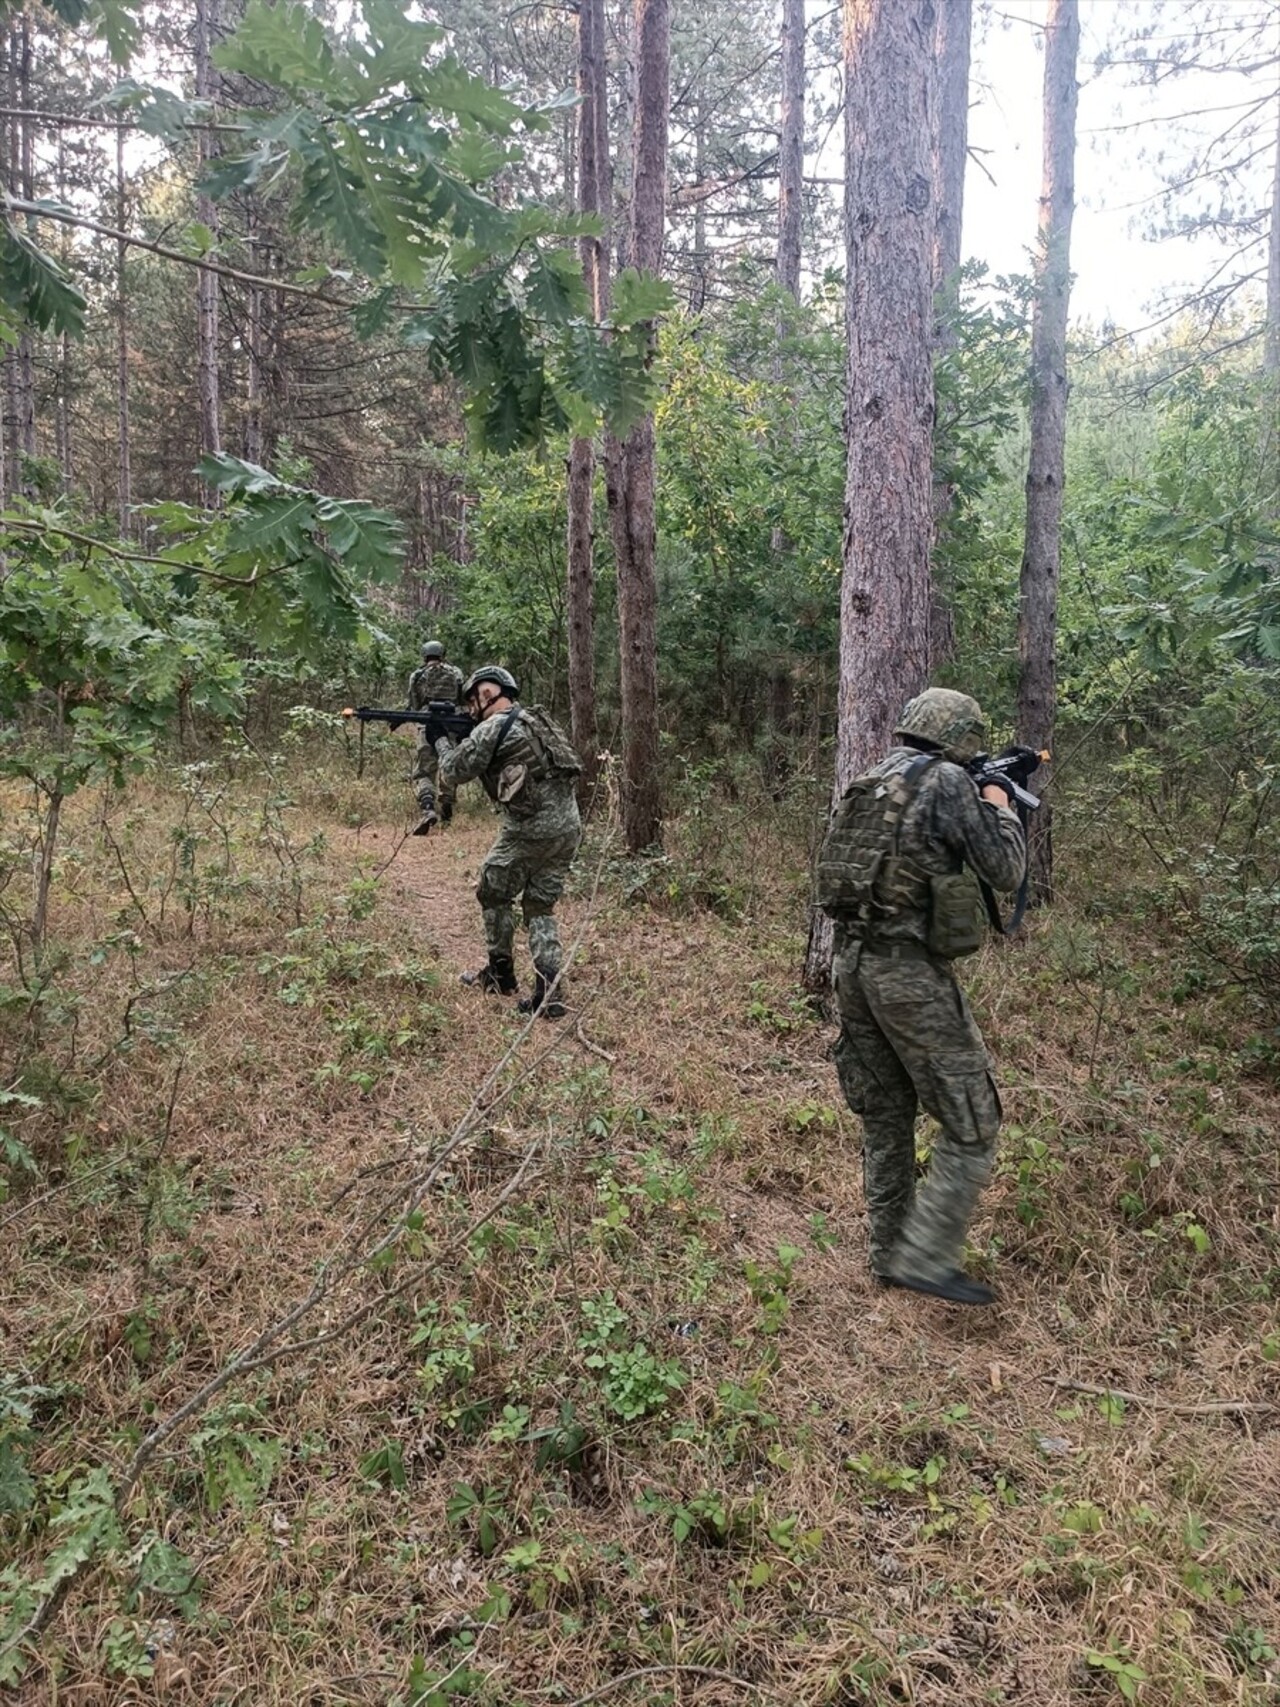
491, 673
431, 649
949, 721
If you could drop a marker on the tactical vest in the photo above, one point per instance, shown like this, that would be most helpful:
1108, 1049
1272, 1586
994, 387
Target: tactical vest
860, 879
435, 680
542, 757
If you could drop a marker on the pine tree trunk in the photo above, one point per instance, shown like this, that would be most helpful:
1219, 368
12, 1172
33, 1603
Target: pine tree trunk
1038, 609
254, 331
791, 147
26, 423
593, 197
631, 465
9, 458
1271, 349
124, 472
950, 152
207, 282
951, 142
888, 509
62, 364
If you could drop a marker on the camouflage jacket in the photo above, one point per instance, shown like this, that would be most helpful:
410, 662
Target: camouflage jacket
435, 680
946, 826
488, 752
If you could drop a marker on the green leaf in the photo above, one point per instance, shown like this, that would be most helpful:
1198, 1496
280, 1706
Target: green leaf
36, 287
333, 198
229, 474
371, 540
17, 1490
269, 521
639, 297
286, 45
158, 111
554, 289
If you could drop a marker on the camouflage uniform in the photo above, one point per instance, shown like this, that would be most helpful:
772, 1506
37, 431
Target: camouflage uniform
907, 1036
541, 829
432, 680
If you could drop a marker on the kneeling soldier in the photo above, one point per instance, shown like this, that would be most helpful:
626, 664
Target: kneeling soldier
525, 764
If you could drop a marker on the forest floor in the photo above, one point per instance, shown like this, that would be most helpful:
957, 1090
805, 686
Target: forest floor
593, 1400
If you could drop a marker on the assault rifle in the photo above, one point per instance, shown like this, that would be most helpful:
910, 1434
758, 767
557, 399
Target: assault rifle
440, 720
1011, 770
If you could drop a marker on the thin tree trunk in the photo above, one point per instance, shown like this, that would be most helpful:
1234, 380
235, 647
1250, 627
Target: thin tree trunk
950, 152
253, 441
1271, 349
888, 508
631, 465
124, 475
593, 178
1046, 472
951, 142
10, 461
207, 282
791, 147
698, 284
62, 364
26, 425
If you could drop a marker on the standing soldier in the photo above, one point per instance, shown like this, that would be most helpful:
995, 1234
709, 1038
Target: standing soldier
892, 873
433, 680
525, 764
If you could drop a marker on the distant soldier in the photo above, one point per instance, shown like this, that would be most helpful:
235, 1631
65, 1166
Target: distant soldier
525, 764
897, 850
433, 680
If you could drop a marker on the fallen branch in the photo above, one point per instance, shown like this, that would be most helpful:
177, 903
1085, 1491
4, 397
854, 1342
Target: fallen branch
668, 1670
594, 1048
1209, 1408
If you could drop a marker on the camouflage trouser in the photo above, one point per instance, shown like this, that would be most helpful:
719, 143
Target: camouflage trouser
531, 870
908, 1039
426, 766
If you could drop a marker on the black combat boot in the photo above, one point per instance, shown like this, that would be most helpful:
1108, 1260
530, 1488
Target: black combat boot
550, 1006
446, 811
427, 822
496, 978
956, 1287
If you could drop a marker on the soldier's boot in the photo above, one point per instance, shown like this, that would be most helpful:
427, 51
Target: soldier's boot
956, 1288
427, 807
497, 977
446, 808
545, 1000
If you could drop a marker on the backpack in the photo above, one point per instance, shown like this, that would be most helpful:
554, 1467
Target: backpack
861, 839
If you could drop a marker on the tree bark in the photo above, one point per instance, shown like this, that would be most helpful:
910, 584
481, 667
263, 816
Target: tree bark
1271, 349
62, 361
593, 197
631, 465
124, 472
791, 147
1046, 471
889, 409
206, 282
951, 141
950, 153
254, 334
26, 392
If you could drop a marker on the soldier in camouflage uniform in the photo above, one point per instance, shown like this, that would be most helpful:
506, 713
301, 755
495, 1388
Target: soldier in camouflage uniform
526, 765
433, 680
907, 1036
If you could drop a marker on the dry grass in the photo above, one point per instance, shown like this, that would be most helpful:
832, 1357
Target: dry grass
849, 1496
